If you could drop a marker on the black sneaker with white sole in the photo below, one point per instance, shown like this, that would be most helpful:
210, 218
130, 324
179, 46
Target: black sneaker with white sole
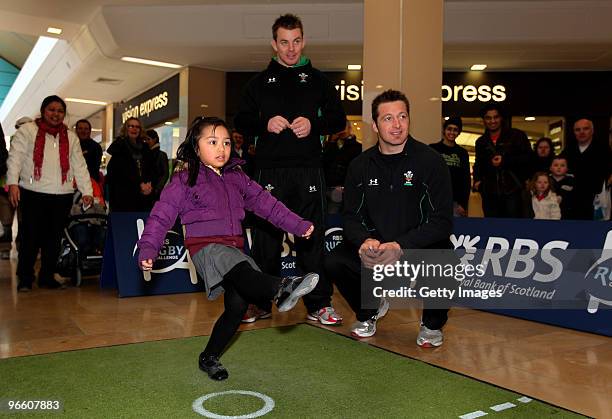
292, 288
210, 365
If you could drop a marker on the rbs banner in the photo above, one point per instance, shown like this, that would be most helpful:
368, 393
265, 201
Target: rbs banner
557, 272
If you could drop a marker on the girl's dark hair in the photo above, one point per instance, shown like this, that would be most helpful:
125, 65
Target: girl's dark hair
187, 150
50, 99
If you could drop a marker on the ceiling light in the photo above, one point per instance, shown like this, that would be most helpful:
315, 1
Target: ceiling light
354, 66
168, 123
150, 62
87, 101
379, 86
478, 67
446, 118
54, 31
530, 118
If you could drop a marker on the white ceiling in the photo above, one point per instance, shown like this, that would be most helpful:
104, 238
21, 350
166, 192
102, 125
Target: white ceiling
234, 35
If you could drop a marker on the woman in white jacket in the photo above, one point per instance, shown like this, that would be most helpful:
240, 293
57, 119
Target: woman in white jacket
45, 159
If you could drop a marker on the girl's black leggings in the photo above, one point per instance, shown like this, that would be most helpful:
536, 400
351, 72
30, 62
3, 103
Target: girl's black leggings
243, 285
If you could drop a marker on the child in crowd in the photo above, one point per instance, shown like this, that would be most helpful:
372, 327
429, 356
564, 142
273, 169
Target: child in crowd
89, 234
563, 183
211, 197
544, 202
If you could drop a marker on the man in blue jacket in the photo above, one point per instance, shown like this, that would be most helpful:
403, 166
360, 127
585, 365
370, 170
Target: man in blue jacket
288, 107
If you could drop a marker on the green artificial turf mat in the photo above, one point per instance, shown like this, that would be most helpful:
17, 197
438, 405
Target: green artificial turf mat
308, 373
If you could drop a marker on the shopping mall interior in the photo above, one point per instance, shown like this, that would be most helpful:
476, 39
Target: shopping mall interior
547, 62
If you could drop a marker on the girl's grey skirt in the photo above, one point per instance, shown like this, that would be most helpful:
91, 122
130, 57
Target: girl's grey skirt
215, 260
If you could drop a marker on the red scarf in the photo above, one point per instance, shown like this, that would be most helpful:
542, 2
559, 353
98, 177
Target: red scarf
39, 148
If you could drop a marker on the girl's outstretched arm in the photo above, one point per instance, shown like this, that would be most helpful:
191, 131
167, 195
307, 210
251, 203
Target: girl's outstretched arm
161, 220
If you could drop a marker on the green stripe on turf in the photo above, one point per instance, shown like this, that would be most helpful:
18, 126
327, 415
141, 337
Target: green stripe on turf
307, 371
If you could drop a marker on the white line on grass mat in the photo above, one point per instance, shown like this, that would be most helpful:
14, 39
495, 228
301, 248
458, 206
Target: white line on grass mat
496, 408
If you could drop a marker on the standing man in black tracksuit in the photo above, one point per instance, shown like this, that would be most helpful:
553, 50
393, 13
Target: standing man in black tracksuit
288, 107
398, 196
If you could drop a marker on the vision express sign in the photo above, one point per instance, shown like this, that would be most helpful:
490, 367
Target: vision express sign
153, 107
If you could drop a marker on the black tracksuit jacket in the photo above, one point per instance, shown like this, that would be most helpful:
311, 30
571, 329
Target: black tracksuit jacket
405, 198
289, 92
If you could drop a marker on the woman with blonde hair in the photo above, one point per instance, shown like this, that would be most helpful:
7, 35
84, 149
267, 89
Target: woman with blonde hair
130, 170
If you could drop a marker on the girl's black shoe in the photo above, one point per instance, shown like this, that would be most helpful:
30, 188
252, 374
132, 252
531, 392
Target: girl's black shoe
210, 365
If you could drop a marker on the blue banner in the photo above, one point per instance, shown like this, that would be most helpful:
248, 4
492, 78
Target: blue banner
574, 257
172, 272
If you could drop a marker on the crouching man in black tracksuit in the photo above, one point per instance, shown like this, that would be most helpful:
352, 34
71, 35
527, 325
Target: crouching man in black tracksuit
288, 107
397, 196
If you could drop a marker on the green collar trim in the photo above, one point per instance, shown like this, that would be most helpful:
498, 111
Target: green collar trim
303, 61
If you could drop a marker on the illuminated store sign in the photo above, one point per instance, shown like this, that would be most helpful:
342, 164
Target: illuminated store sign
471, 93
153, 107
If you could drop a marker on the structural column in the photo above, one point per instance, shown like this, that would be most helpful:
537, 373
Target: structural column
402, 49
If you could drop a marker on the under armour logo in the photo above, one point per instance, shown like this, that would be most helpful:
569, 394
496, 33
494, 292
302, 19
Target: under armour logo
269, 187
373, 182
312, 189
271, 79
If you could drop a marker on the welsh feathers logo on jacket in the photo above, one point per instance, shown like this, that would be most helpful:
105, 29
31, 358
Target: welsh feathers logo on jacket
408, 178
303, 77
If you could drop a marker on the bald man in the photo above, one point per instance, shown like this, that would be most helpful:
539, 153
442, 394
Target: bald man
590, 161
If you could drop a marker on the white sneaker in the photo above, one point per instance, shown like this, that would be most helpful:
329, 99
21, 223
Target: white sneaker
327, 316
367, 328
429, 338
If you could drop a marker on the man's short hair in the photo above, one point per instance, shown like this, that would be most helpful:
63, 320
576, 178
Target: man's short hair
559, 157
288, 21
388, 96
82, 121
491, 107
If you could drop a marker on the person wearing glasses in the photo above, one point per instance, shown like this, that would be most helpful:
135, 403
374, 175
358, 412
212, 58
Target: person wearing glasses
130, 170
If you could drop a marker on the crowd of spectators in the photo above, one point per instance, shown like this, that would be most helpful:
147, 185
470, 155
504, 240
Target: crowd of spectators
513, 178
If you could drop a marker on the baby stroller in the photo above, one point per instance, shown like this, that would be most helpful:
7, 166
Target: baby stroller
82, 244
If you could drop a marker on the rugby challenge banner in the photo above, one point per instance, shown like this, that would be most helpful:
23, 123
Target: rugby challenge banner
173, 272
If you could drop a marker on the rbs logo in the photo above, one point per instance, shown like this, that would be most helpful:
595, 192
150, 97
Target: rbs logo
525, 254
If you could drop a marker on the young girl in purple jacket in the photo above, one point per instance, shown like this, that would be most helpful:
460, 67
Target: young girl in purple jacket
211, 197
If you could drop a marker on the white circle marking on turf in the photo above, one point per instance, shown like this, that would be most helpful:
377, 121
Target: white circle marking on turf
198, 405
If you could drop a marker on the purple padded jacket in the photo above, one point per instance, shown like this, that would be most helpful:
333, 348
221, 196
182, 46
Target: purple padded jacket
214, 206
